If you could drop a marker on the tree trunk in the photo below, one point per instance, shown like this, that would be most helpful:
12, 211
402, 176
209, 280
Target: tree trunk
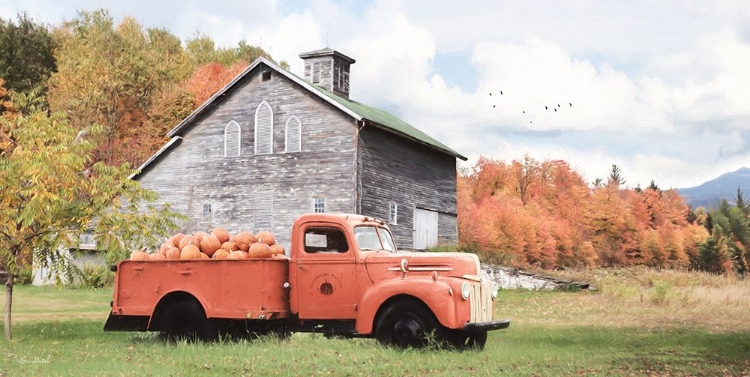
8, 305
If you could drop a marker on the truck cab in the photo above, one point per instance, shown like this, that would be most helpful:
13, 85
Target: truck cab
343, 277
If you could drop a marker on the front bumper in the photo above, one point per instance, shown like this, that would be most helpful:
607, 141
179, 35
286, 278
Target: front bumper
486, 326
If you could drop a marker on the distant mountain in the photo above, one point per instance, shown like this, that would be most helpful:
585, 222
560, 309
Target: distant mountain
710, 194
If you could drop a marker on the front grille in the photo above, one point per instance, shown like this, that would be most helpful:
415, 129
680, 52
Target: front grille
481, 302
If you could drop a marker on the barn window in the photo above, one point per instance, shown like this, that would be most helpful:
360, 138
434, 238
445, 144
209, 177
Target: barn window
264, 129
393, 214
232, 139
319, 205
266, 75
293, 139
263, 211
207, 212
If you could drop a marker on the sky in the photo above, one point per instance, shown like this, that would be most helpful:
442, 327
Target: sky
660, 88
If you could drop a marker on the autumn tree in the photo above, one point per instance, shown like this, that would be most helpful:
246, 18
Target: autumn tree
52, 189
110, 74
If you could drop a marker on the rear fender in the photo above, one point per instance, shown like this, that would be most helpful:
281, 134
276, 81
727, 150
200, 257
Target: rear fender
435, 294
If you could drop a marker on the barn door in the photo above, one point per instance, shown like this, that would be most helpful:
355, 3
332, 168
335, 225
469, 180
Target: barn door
425, 228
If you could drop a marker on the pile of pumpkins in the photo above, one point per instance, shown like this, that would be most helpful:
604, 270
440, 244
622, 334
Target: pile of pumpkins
217, 244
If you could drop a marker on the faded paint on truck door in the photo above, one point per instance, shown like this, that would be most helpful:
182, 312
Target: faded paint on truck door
324, 273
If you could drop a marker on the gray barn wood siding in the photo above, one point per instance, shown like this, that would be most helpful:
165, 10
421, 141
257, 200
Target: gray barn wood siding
394, 169
196, 172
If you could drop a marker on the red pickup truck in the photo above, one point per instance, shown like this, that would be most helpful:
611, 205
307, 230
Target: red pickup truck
344, 277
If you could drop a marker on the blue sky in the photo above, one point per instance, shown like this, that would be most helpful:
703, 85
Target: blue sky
659, 87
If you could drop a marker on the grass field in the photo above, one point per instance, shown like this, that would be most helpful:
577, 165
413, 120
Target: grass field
639, 322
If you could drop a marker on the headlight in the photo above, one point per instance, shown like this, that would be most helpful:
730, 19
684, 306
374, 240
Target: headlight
465, 290
494, 288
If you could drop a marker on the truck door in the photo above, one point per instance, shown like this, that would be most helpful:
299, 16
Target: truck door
324, 277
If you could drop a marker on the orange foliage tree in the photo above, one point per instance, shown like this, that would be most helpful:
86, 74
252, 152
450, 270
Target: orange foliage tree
543, 214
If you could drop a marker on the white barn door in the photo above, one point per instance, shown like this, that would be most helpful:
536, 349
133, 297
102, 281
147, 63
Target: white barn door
425, 228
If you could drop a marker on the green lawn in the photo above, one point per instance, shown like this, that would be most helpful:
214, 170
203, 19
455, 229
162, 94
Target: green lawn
59, 332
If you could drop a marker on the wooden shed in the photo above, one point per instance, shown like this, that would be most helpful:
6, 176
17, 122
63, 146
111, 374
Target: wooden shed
271, 145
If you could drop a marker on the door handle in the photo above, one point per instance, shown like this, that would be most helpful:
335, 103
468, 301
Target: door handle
186, 272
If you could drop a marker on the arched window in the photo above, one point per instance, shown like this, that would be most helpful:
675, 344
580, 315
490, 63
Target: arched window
264, 129
293, 139
232, 139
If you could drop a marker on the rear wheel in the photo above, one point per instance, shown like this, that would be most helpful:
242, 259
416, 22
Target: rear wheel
407, 324
186, 320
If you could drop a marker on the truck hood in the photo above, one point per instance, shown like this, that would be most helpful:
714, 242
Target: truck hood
383, 265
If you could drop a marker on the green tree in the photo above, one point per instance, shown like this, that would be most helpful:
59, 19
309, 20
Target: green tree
615, 176
52, 190
730, 231
27, 59
742, 203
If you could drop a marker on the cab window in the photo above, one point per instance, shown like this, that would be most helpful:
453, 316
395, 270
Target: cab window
374, 238
325, 240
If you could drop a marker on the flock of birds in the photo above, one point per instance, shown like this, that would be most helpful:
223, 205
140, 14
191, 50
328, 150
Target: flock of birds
546, 107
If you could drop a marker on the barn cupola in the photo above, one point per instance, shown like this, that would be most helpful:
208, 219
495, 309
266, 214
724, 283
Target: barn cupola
328, 69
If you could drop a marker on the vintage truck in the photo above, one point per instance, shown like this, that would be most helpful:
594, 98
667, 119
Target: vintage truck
343, 277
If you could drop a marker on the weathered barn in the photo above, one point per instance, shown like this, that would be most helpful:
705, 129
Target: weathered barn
270, 146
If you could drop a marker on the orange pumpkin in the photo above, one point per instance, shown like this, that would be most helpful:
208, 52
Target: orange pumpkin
221, 234
190, 252
237, 254
220, 254
187, 240
266, 237
243, 240
164, 247
173, 253
175, 240
157, 256
205, 256
229, 246
199, 236
277, 249
138, 255
259, 250
210, 244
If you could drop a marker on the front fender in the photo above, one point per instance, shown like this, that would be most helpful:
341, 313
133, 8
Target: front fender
436, 294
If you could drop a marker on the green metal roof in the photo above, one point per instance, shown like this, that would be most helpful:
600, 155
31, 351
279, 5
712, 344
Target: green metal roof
385, 119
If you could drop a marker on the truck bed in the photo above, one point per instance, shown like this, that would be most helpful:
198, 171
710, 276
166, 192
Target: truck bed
232, 289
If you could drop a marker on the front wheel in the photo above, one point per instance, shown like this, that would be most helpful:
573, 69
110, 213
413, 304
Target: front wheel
407, 324
469, 341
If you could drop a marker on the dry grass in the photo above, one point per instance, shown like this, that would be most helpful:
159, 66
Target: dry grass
644, 298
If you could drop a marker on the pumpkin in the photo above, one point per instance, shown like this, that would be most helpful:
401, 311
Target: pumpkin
221, 234
243, 240
164, 247
205, 256
157, 256
190, 252
199, 236
173, 253
210, 244
175, 240
229, 246
259, 250
277, 249
187, 240
220, 254
266, 237
237, 254
138, 255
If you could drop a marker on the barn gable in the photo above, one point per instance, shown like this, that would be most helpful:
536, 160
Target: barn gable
270, 146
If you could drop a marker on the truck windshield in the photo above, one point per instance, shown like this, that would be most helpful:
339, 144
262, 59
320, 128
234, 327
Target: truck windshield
374, 238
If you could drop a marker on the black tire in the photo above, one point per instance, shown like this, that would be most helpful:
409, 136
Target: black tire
186, 320
406, 324
469, 341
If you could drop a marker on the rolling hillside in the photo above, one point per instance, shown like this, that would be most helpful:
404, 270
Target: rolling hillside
710, 194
